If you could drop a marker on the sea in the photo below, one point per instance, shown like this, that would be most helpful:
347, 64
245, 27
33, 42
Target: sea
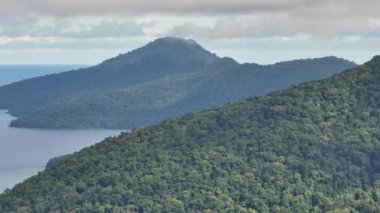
24, 152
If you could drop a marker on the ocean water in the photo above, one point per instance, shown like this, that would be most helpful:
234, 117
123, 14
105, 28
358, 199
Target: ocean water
25, 152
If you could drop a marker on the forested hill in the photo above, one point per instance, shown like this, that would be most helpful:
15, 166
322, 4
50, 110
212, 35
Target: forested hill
157, 59
166, 78
311, 148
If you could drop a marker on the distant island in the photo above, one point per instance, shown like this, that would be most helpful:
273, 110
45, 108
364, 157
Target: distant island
166, 78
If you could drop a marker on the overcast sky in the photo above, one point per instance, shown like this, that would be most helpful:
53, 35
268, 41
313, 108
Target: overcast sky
261, 31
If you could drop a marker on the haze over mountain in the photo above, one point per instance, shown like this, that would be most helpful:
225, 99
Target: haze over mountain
310, 148
165, 78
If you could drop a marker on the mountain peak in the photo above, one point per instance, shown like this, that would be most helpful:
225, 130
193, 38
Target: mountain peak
176, 40
174, 47
170, 49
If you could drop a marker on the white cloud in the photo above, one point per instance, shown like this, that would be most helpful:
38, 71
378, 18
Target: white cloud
70, 28
253, 27
321, 8
279, 26
237, 26
107, 29
69, 7
323, 18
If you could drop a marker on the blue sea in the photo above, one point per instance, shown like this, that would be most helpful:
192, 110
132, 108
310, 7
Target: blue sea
25, 152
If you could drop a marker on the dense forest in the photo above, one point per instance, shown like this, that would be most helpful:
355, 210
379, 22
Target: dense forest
314, 147
166, 78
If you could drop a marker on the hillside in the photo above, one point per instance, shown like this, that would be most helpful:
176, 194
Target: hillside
166, 78
310, 148
13, 73
156, 59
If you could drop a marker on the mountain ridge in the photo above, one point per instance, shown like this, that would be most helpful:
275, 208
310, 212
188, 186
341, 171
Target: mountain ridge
47, 102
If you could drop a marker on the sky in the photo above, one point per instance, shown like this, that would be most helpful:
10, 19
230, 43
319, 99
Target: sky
260, 31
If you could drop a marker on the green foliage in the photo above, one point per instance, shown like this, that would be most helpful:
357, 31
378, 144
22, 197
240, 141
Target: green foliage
164, 79
310, 148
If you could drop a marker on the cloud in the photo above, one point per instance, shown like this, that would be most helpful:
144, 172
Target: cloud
108, 29
71, 29
69, 7
323, 18
244, 24
122, 44
254, 27
280, 26
319, 8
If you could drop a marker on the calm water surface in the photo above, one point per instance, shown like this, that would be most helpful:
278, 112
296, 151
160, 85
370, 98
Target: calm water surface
25, 152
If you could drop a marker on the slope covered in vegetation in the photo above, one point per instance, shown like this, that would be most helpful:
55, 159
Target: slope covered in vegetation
166, 78
314, 147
